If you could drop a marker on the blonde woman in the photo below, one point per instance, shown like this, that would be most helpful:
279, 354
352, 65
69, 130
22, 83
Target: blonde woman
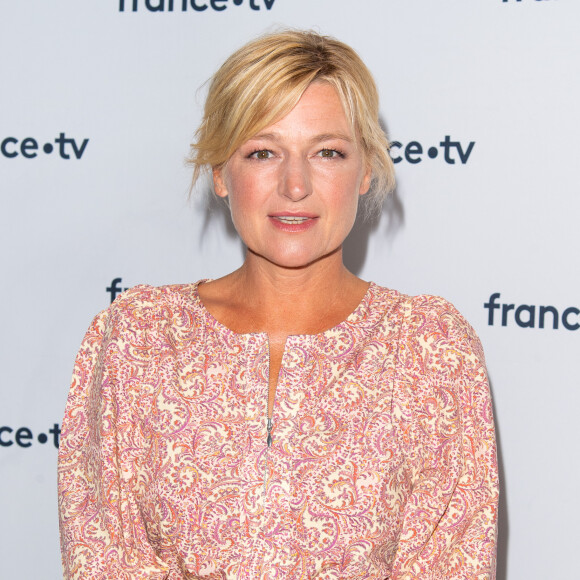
288, 420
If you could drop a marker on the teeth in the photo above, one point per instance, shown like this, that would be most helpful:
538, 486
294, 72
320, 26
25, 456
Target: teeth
291, 220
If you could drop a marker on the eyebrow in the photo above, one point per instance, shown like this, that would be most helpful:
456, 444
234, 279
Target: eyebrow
315, 139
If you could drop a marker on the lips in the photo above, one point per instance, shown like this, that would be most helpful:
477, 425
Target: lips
291, 219
291, 222
293, 215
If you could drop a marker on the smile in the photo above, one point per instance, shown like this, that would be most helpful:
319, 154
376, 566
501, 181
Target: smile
291, 219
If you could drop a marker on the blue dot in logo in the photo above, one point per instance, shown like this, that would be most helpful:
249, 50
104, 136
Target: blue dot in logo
48, 148
238, 2
432, 152
42, 438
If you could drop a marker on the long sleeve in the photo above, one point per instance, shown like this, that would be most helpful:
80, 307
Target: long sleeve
102, 533
382, 466
449, 522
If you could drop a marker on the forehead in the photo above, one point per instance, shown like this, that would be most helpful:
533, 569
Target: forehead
319, 110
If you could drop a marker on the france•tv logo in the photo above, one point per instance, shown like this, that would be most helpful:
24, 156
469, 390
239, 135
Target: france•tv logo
30, 148
530, 315
195, 5
414, 152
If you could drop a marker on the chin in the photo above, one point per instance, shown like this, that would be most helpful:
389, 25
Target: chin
290, 262
296, 260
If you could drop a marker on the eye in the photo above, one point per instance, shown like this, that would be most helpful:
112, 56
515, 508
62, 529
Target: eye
261, 154
330, 153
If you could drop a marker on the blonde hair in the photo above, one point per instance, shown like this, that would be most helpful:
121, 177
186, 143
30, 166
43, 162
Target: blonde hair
262, 82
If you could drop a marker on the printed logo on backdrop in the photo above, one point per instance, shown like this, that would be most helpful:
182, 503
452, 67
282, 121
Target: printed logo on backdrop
191, 5
414, 152
30, 148
24, 436
531, 315
115, 288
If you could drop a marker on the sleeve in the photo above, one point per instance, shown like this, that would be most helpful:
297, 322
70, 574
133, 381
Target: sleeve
101, 529
449, 527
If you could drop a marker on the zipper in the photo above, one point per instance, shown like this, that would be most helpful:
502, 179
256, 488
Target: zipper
269, 430
269, 417
269, 425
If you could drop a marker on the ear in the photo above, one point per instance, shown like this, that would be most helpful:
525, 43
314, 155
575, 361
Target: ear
219, 183
365, 183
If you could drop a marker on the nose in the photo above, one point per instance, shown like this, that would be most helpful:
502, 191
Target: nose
295, 183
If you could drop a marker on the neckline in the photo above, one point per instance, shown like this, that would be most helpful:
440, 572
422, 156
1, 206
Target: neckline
359, 314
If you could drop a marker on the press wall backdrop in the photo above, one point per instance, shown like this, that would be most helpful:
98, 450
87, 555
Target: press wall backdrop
98, 104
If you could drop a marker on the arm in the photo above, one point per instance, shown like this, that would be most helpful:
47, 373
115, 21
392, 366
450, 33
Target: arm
102, 532
449, 526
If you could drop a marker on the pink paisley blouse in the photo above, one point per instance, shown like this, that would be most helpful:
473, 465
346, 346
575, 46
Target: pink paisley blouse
382, 464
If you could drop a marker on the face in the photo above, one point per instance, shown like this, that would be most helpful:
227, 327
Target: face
293, 189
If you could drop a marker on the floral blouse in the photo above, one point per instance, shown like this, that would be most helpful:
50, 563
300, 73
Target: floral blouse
382, 463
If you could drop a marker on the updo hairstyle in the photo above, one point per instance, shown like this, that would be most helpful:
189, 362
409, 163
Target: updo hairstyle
262, 82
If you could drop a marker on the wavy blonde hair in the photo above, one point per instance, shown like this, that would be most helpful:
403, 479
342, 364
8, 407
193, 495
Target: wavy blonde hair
262, 82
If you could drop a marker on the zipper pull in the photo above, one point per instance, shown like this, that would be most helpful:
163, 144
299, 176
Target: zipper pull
269, 429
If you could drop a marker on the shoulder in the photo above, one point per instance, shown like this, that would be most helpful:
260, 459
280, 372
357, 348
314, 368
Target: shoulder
144, 312
424, 314
384, 307
416, 311
428, 324
442, 339
145, 302
429, 313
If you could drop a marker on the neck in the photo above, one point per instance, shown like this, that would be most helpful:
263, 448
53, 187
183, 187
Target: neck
304, 284
297, 300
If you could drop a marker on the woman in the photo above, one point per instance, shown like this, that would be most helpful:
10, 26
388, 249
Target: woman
288, 420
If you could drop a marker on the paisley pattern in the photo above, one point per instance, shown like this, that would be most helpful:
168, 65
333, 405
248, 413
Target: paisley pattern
382, 465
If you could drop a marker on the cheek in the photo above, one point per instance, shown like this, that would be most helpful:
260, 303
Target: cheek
244, 205
240, 188
347, 203
345, 192
238, 212
350, 218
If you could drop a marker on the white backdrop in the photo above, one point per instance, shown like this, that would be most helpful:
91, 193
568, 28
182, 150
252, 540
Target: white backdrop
98, 103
